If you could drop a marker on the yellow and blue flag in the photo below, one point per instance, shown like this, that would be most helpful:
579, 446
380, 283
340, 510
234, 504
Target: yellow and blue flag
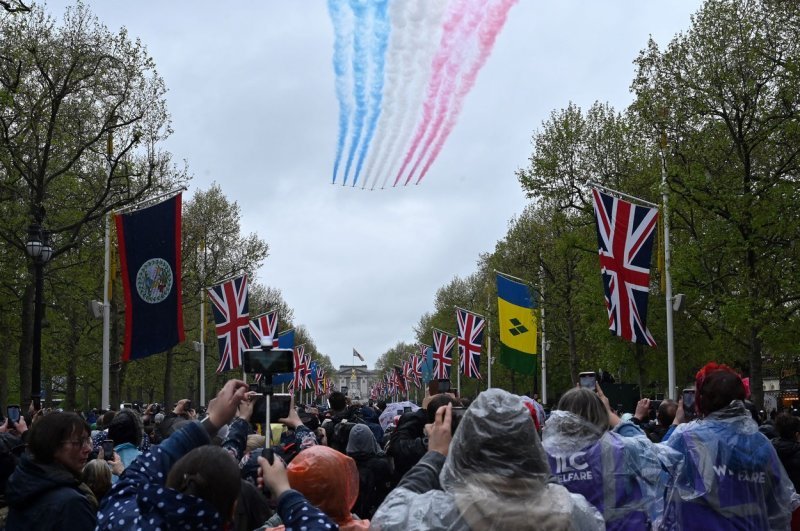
518, 325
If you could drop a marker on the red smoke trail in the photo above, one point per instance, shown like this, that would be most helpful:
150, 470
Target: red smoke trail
488, 33
453, 21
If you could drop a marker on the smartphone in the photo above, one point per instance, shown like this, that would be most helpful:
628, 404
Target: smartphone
455, 418
253, 387
444, 386
689, 412
275, 361
187, 406
588, 380
108, 449
279, 406
12, 412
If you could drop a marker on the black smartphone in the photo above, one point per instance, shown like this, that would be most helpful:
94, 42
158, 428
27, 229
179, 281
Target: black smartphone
108, 449
588, 380
279, 406
187, 406
275, 361
689, 412
253, 387
455, 418
13, 412
407, 409
444, 386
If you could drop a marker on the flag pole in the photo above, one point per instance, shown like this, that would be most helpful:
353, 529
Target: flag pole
544, 341
489, 342
104, 399
668, 284
202, 349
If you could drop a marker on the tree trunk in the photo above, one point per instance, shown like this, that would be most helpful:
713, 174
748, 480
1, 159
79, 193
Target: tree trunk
70, 403
26, 344
168, 379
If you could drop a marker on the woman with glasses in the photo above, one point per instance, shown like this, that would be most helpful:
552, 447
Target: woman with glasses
45, 492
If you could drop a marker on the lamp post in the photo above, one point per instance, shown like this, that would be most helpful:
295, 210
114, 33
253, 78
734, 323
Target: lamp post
38, 248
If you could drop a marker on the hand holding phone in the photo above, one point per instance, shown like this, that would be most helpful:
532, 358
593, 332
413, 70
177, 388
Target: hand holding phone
588, 380
108, 449
13, 413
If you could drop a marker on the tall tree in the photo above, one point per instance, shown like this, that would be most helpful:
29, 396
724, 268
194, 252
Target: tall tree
726, 94
64, 91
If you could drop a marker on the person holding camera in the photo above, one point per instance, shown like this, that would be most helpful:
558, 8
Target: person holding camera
492, 473
731, 476
608, 461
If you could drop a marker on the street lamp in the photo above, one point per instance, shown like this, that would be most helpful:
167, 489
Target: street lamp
38, 248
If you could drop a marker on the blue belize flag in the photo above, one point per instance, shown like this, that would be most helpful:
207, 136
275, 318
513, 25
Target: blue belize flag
150, 259
284, 340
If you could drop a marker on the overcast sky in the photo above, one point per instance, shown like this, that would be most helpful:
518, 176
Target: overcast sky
251, 93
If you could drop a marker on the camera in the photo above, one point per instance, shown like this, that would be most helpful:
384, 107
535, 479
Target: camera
13, 413
279, 407
588, 380
108, 449
268, 362
456, 414
689, 412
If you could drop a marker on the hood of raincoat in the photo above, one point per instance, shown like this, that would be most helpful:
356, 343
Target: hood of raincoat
362, 441
565, 433
328, 479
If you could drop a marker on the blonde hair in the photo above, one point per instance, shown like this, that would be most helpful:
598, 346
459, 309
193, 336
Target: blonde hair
255, 441
97, 475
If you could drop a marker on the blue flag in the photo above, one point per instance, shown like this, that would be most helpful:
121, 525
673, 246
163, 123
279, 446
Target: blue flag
150, 260
427, 366
285, 340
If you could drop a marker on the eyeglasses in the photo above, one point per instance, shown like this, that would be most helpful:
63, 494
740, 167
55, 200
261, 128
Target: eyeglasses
86, 441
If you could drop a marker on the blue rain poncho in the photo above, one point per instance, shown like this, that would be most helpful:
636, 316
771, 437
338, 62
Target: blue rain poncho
495, 476
730, 477
622, 476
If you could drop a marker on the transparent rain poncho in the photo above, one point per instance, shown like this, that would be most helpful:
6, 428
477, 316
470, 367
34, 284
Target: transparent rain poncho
495, 476
730, 477
623, 477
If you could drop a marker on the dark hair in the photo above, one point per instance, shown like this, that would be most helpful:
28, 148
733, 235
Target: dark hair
208, 472
787, 425
50, 431
437, 402
716, 387
108, 416
126, 428
381, 405
666, 412
338, 401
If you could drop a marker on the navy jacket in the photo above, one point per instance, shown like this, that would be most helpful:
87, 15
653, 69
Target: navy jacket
48, 497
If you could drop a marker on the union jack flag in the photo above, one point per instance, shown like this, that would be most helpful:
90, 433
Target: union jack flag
415, 369
229, 302
264, 329
442, 354
299, 367
399, 379
320, 382
470, 339
625, 238
307, 372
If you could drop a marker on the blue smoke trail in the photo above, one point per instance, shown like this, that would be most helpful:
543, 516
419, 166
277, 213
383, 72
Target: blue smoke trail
340, 67
360, 38
380, 32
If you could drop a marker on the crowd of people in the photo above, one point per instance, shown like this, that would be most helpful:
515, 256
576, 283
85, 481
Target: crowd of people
496, 462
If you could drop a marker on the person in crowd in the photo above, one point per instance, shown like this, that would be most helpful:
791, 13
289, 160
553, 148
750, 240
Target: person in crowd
45, 492
493, 475
374, 472
187, 483
127, 431
329, 480
12, 446
409, 442
98, 474
787, 444
370, 416
731, 477
610, 462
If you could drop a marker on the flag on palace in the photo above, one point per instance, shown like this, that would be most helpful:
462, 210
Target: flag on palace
229, 302
517, 324
150, 258
357, 355
625, 239
470, 340
442, 353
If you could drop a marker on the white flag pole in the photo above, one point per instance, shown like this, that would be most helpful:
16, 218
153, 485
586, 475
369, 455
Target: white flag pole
202, 349
544, 341
104, 399
668, 280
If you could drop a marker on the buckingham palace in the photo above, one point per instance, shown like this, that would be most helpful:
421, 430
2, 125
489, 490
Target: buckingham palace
357, 379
